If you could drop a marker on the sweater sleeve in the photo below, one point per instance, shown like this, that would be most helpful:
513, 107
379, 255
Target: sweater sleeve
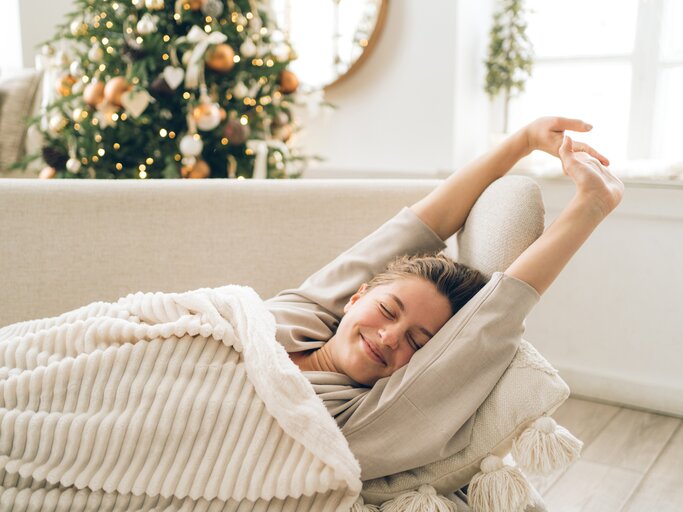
308, 316
424, 412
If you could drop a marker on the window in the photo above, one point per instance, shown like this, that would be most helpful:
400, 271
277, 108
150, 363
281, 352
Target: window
617, 64
10, 38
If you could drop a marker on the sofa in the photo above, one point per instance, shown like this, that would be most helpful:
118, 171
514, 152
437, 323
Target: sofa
67, 243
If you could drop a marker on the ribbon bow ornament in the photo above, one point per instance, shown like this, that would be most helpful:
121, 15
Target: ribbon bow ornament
201, 40
260, 149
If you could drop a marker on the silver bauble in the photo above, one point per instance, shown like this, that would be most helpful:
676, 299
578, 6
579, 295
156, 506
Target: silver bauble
191, 145
212, 8
248, 48
95, 53
73, 165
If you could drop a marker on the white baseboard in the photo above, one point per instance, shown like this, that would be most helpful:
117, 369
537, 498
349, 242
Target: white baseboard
624, 392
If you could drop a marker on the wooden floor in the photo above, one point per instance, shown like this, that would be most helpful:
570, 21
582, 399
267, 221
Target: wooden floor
632, 461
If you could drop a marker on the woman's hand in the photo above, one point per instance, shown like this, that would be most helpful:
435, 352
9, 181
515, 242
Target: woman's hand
546, 134
594, 183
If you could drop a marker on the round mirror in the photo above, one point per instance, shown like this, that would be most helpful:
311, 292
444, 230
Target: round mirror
330, 37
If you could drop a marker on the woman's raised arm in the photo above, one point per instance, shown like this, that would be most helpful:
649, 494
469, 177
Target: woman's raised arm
445, 208
598, 192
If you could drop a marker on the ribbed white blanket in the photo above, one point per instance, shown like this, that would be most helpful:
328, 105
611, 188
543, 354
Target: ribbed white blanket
165, 401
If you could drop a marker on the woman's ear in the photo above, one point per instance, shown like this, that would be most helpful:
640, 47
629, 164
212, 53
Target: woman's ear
356, 296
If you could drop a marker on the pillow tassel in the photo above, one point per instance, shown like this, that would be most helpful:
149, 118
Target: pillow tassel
498, 488
360, 506
545, 446
425, 499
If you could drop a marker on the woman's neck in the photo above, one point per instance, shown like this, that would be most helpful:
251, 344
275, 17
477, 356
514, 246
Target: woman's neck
318, 360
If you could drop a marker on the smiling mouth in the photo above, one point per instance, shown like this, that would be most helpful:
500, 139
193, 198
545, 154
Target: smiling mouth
377, 356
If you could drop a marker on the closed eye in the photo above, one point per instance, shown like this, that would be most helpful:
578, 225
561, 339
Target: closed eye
415, 346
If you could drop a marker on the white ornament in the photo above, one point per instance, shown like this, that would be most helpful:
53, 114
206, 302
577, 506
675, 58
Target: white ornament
75, 68
240, 90
281, 52
210, 117
77, 87
248, 48
135, 102
147, 24
256, 23
138, 4
212, 8
73, 165
76, 27
56, 123
95, 53
154, 5
191, 145
173, 76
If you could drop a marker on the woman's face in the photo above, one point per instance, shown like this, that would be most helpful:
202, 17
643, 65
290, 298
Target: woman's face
383, 327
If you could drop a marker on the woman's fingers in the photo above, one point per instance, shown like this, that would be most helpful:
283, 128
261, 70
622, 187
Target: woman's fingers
566, 152
580, 146
575, 125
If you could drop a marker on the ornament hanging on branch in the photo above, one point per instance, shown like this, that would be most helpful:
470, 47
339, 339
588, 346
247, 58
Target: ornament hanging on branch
220, 58
47, 173
207, 114
236, 132
288, 82
93, 94
197, 170
114, 88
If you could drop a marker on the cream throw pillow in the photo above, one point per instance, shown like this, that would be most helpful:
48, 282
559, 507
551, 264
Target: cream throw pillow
528, 389
18, 92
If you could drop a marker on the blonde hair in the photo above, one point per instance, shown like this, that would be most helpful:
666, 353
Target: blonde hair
455, 281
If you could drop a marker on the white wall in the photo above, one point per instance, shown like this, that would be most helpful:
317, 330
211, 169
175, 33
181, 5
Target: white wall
10, 37
612, 323
402, 110
38, 20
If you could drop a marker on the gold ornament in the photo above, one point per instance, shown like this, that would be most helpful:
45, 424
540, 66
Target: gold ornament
219, 58
65, 84
288, 82
93, 94
195, 5
47, 173
200, 169
115, 88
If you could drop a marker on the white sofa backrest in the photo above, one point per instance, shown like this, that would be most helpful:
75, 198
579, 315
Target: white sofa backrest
66, 243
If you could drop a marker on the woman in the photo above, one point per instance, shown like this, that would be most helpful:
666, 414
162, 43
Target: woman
352, 324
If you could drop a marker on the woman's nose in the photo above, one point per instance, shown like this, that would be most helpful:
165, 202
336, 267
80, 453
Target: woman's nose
389, 337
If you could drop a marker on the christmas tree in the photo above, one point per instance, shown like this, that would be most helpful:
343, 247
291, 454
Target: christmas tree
510, 55
169, 89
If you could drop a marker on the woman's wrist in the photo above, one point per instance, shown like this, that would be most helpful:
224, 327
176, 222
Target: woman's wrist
514, 148
589, 207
